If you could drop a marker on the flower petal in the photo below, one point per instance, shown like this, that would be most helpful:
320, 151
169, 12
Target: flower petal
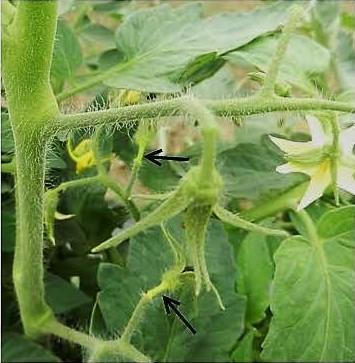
345, 179
292, 147
62, 217
291, 167
347, 140
316, 130
319, 182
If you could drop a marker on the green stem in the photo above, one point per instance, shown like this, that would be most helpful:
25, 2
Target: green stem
106, 179
27, 59
335, 156
179, 257
137, 163
170, 281
208, 156
93, 81
139, 310
56, 328
158, 196
110, 183
209, 127
100, 348
236, 221
271, 75
76, 183
114, 349
168, 209
286, 200
235, 107
309, 226
28, 258
9, 168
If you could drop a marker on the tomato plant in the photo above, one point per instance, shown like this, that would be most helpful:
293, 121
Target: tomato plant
244, 230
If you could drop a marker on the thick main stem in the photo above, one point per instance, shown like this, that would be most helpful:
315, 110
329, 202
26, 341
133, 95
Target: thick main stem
28, 258
26, 66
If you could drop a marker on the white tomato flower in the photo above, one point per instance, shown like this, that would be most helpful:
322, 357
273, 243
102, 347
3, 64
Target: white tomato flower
315, 158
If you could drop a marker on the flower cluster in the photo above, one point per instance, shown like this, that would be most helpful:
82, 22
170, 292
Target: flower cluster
324, 159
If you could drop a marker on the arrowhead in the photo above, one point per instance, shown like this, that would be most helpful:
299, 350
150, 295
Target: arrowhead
152, 156
169, 303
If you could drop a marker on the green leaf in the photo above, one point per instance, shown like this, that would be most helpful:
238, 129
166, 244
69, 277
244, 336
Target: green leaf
7, 139
312, 303
163, 179
338, 223
149, 256
303, 57
109, 58
66, 54
98, 34
18, 348
96, 217
221, 85
158, 43
202, 67
348, 21
166, 339
62, 296
249, 171
244, 350
114, 7
327, 13
64, 6
345, 55
254, 277
8, 226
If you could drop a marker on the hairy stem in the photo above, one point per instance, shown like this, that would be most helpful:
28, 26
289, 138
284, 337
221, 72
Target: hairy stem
271, 75
28, 258
168, 209
110, 183
92, 82
27, 58
236, 221
138, 312
335, 155
209, 130
309, 226
137, 162
9, 168
76, 183
56, 328
228, 108
287, 200
106, 179
100, 349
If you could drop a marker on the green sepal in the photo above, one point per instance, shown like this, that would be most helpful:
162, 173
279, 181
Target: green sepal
228, 217
51, 199
196, 220
168, 209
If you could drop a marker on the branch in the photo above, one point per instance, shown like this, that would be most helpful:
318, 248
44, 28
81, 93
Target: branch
227, 108
170, 281
287, 200
99, 348
234, 220
271, 76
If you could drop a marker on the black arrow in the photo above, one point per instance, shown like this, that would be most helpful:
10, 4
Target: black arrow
170, 303
153, 157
